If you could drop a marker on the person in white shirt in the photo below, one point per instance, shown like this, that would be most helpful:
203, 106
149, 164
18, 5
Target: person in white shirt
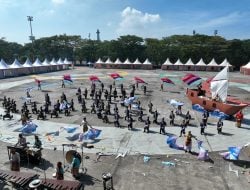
85, 125
21, 141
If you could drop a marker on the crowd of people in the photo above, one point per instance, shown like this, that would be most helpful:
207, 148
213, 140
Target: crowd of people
100, 101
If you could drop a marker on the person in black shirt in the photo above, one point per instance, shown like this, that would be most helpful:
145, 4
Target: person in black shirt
162, 126
183, 128
126, 113
219, 126
172, 117
147, 125
130, 122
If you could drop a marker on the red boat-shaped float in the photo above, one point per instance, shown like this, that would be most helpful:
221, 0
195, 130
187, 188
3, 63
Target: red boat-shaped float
212, 95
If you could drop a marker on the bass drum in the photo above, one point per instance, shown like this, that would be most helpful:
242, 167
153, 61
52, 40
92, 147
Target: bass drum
70, 155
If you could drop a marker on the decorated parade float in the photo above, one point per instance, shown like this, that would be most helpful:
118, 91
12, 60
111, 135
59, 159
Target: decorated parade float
212, 94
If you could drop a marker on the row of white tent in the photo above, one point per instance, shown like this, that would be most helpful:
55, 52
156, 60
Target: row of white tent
18, 69
16, 64
200, 63
127, 61
245, 69
199, 66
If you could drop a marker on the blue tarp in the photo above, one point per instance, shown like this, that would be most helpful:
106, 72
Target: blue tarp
90, 134
29, 128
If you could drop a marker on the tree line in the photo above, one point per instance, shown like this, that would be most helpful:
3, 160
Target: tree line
130, 46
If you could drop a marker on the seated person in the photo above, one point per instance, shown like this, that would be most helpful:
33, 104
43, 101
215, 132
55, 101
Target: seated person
54, 112
34, 108
41, 114
38, 143
21, 141
7, 115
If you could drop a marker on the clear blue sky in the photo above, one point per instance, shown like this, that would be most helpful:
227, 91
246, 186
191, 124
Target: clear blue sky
145, 18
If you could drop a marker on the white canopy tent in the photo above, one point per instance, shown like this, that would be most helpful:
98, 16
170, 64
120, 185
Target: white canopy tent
37, 63
60, 62
108, 61
118, 61
53, 62
137, 62
225, 63
247, 66
189, 66
167, 62
27, 63
99, 61
200, 66
67, 62
212, 63
201, 63
3, 64
127, 61
167, 65
178, 62
178, 65
16, 64
212, 66
189, 62
245, 69
45, 62
147, 62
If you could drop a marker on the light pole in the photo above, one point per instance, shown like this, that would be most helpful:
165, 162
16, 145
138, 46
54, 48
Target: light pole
31, 37
30, 19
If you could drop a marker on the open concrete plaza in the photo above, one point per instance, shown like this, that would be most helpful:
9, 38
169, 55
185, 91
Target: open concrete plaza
121, 151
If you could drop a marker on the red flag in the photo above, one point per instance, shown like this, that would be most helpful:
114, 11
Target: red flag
67, 77
94, 78
167, 80
139, 80
38, 81
115, 76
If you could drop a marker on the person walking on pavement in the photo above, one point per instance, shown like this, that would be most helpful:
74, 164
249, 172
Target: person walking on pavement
63, 84
147, 125
183, 128
172, 117
203, 126
162, 126
130, 122
127, 113
188, 142
150, 107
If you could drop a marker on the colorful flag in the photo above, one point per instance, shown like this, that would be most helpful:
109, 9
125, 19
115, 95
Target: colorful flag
203, 153
70, 129
139, 80
232, 154
116, 76
90, 134
171, 141
94, 78
67, 78
191, 79
167, 80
